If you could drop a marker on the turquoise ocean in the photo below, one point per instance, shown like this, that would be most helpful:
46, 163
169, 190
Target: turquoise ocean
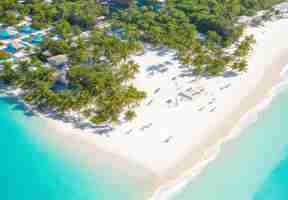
252, 166
31, 170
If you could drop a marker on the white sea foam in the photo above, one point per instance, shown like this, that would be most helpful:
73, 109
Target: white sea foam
284, 71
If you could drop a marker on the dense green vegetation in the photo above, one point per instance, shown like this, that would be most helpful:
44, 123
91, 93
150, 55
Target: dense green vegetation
198, 30
96, 80
99, 87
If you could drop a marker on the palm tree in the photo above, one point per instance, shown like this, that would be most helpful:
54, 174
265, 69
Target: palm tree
130, 115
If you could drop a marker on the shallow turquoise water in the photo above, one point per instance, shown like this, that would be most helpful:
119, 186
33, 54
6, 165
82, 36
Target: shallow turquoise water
29, 171
254, 166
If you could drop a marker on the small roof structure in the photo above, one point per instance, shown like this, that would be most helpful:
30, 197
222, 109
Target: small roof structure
28, 18
46, 53
48, 1
58, 61
19, 54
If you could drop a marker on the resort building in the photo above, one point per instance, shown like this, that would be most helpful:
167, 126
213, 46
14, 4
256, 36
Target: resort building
58, 61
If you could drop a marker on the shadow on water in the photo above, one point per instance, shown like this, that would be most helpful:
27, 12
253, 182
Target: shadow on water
17, 105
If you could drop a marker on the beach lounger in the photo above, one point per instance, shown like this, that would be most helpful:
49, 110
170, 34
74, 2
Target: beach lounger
146, 126
157, 90
150, 102
185, 95
212, 109
169, 101
225, 86
167, 140
162, 70
129, 131
168, 62
201, 108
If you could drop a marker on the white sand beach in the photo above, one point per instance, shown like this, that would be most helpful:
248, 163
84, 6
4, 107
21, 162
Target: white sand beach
183, 116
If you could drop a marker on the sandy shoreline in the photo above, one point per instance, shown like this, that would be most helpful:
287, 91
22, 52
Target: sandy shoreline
227, 129
143, 155
80, 148
198, 158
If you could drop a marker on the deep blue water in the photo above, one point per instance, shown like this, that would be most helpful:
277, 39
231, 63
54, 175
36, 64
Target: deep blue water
29, 170
254, 166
